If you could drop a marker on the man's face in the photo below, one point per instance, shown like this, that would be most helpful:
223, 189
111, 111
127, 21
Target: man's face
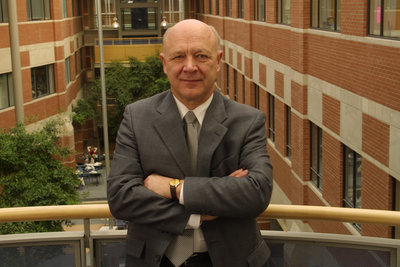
191, 62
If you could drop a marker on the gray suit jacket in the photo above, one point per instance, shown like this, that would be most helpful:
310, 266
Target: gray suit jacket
151, 139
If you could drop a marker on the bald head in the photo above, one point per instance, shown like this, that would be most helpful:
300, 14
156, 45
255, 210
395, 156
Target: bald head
189, 27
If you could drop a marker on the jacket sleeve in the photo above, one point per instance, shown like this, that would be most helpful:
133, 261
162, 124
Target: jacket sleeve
232, 197
127, 197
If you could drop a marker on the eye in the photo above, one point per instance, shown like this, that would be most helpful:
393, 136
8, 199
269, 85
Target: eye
202, 56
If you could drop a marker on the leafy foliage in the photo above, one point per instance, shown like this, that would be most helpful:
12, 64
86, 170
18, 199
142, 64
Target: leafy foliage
31, 174
124, 85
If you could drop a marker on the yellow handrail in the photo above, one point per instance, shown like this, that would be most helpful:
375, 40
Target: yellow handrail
302, 212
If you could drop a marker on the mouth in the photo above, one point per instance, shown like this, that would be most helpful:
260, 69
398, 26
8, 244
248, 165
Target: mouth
190, 80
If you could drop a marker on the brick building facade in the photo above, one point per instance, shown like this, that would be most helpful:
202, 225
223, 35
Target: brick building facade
332, 99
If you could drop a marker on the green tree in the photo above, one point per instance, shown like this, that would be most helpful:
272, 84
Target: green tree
31, 174
124, 85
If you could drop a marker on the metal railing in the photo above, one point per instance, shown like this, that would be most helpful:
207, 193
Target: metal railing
132, 41
92, 211
107, 247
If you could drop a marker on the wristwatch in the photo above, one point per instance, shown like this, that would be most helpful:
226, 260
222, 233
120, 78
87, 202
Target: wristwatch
173, 184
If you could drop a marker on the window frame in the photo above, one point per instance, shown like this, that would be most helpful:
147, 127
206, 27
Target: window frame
67, 71
288, 122
50, 84
396, 205
10, 90
46, 12
316, 155
240, 9
227, 79
271, 117
64, 9
317, 24
235, 85
259, 10
228, 8
357, 179
128, 12
280, 12
3, 11
256, 96
381, 19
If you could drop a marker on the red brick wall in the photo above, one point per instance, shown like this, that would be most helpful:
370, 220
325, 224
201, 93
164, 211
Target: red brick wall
368, 70
262, 74
376, 187
331, 113
354, 17
279, 84
300, 14
332, 174
292, 187
364, 69
375, 139
300, 147
299, 97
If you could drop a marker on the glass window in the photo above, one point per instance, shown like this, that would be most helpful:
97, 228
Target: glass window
283, 12
227, 79
325, 14
42, 81
259, 10
210, 6
240, 9
217, 7
139, 18
67, 71
38, 9
235, 85
384, 18
228, 5
316, 155
3, 11
6, 91
64, 9
396, 204
271, 117
352, 180
288, 131
174, 10
256, 96
136, 1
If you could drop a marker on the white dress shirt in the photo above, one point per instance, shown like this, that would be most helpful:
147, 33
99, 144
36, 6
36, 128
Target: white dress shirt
194, 219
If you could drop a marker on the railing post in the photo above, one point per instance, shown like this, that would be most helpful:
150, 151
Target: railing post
88, 247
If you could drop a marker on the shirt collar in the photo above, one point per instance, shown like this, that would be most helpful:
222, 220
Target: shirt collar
200, 111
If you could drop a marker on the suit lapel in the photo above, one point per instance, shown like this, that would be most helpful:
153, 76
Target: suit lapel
211, 135
170, 128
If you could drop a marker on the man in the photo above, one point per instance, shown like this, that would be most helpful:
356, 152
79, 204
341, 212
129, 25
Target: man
219, 194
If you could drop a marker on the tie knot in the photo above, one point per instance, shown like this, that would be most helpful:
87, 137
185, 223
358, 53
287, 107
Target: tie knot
190, 118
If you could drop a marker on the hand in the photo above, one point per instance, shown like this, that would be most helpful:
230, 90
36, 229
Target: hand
240, 173
159, 184
205, 217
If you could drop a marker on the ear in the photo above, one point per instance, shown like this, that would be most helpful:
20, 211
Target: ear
162, 57
220, 53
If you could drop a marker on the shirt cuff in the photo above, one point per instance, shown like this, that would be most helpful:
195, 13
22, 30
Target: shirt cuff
194, 219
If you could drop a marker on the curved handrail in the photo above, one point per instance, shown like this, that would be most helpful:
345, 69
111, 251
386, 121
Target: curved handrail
91, 211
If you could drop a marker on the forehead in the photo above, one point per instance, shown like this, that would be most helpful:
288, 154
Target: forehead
186, 38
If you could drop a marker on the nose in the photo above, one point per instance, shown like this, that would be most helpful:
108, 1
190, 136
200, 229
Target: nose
190, 64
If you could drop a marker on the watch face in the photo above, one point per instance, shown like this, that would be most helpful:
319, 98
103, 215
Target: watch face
174, 182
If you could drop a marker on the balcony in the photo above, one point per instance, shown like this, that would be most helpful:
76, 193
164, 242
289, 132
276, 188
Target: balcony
106, 248
116, 49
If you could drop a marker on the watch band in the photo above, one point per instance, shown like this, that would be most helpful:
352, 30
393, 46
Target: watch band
172, 187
